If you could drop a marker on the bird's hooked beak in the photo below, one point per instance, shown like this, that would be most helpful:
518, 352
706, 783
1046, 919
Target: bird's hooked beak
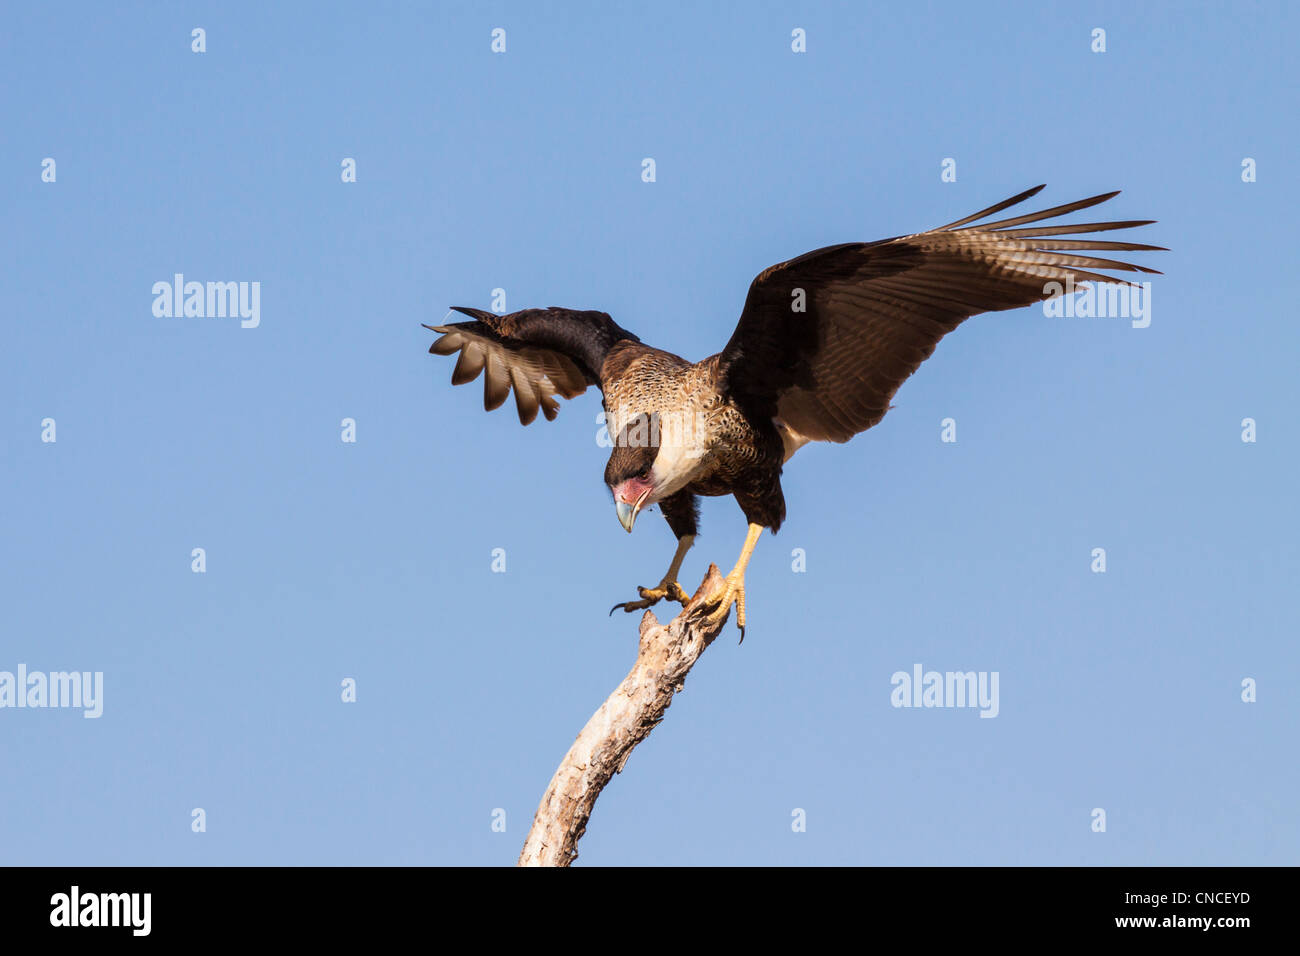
627, 513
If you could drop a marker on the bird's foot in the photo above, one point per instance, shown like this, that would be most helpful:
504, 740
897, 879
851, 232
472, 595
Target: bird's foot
720, 602
651, 596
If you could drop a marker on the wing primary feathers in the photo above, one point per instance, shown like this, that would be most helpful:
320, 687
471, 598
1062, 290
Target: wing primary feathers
496, 384
1018, 198
1052, 213
469, 364
537, 353
1096, 244
1070, 230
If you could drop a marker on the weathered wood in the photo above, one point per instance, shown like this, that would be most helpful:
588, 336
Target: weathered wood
666, 655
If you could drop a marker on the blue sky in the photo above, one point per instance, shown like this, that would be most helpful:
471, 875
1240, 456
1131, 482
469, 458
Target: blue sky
372, 560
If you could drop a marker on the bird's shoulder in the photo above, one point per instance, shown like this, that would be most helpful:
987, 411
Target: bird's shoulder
628, 359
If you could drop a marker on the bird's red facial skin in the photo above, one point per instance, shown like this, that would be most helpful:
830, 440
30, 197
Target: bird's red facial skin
632, 490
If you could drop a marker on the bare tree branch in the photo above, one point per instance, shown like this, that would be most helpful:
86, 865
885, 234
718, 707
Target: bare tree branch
666, 655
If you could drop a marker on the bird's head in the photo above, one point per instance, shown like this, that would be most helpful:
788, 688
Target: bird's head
629, 473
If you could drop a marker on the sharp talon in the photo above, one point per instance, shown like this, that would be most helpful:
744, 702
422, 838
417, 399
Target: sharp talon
650, 597
742, 636
630, 606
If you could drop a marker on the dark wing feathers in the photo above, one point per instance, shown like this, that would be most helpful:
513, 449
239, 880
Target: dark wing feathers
875, 311
540, 353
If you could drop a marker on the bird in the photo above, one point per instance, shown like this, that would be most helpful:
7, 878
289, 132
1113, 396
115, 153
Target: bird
823, 343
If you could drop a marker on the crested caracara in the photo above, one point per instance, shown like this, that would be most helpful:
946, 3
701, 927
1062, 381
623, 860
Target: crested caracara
822, 345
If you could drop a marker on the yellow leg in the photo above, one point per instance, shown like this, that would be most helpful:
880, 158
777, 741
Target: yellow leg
746, 552
683, 545
735, 589
668, 587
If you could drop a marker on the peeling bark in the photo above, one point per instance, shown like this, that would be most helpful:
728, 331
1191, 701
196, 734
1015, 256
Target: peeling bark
666, 655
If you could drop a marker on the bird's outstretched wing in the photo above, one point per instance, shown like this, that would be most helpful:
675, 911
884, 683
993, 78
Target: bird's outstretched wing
541, 353
873, 312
